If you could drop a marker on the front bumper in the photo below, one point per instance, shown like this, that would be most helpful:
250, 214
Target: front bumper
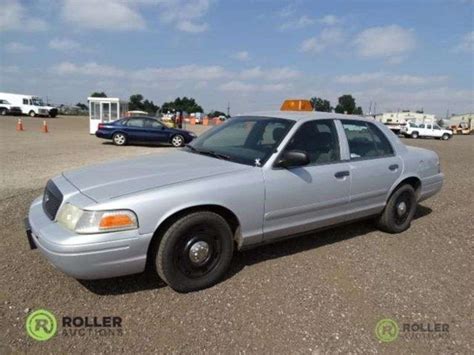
94, 256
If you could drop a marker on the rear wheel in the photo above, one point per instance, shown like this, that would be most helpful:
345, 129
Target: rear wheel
195, 252
119, 139
32, 113
399, 211
414, 135
177, 141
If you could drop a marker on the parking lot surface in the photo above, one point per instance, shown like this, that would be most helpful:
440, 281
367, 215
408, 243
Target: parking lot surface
321, 293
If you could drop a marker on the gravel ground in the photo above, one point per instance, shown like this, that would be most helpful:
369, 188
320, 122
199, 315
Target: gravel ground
323, 293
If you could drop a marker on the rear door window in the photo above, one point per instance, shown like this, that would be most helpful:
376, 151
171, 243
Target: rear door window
365, 140
135, 122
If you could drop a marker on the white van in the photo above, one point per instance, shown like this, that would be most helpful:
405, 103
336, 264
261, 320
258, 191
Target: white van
29, 104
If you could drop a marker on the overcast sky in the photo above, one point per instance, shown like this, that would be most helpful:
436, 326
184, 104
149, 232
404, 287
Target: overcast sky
409, 54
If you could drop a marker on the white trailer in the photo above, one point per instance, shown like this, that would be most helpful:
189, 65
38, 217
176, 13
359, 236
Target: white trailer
29, 104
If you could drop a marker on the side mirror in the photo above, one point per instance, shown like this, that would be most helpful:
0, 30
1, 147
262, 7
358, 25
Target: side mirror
292, 158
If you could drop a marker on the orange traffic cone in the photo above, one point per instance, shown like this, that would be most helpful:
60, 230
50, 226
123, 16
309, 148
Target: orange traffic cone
45, 127
19, 125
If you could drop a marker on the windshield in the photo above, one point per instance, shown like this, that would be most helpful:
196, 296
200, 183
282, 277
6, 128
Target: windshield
245, 140
37, 101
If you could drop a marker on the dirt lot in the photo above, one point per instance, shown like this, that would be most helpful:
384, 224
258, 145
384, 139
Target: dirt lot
322, 293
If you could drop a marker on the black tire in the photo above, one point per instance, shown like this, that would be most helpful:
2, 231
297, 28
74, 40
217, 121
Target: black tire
119, 139
414, 135
393, 219
174, 257
445, 137
3, 111
177, 141
32, 113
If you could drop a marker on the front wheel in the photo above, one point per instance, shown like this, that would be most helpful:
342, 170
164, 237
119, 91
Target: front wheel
195, 252
399, 211
3, 111
445, 137
414, 135
32, 113
119, 139
177, 141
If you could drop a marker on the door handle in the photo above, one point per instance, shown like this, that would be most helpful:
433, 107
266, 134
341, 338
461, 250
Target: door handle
341, 174
393, 167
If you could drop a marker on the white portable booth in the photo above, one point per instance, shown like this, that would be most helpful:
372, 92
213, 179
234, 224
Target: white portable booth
104, 109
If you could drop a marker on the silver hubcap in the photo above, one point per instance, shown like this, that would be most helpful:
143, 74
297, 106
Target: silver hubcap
401, 208
177, 141
119, 139
199, 252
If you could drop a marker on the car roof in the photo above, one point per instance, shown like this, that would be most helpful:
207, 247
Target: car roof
304, 115
131, 117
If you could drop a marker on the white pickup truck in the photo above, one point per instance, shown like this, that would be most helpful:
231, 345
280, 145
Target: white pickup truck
431, 130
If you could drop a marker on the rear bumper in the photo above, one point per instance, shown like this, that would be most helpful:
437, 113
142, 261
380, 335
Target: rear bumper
102, 134
431, 186
87, 256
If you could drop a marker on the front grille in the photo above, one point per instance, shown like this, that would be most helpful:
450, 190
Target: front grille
52, 199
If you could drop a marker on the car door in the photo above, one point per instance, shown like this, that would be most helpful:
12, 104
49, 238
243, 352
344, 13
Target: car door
437, 131
136, 129
374, 167
156, 131
303, 198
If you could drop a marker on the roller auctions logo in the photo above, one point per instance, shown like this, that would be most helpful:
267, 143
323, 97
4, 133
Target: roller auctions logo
41, 325
388, 330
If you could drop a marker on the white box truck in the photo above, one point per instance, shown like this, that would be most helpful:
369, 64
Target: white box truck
29, 104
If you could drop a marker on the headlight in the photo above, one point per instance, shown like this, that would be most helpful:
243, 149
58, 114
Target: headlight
192, 134
90, 222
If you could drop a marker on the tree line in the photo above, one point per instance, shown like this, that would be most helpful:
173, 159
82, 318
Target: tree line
346, 104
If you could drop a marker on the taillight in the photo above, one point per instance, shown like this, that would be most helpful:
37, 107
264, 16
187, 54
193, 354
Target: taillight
101, 125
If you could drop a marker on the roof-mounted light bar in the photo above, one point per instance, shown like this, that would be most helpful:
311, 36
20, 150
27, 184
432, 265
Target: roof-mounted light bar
296, 105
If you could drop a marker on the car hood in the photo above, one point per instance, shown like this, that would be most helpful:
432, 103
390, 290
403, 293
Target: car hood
123, 177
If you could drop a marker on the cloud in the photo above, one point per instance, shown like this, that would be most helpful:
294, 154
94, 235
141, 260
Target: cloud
389, 79
387, 41
111, 15
186, 15
287, 11
64, 44
327, 38
295, 24
185, 72
243, 87
242, 56
14, 17
88, 69
330, 20
466, 44
188, 26
274, 74
17, 47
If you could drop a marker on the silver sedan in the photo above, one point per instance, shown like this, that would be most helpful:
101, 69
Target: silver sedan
255, 179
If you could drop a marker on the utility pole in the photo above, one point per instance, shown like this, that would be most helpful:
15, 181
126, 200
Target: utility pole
228, 109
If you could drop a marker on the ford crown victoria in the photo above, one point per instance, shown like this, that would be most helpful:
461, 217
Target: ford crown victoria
255, 179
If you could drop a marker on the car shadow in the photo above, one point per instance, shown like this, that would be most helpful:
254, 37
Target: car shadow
148, 280
149, 144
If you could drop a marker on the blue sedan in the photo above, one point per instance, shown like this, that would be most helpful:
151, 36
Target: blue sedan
143, 129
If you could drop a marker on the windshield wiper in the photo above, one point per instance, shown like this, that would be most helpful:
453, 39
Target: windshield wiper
209, 153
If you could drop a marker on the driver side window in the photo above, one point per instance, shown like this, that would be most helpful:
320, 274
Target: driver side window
319, 140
